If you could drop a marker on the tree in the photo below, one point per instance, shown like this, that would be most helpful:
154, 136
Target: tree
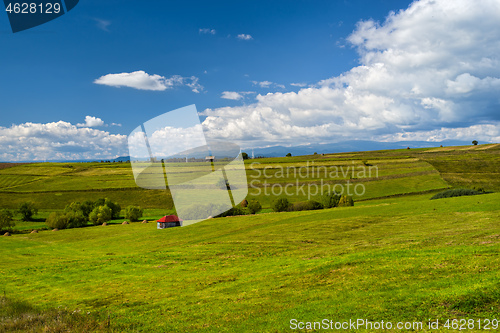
6, 221
57, 221
133, 213
76, 219
346, 201
475, 142
305, 205
254, 206
330, 200
289, 155
87, 206
27, 210
78, 209
100, 215
245, 156
281, 205
115, 208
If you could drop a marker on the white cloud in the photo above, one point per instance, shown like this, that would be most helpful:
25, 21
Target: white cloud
233, 95
432, 68
244, 37
207, 31
301, 85
58, 140
91, 122
102, 24
168, 140
267, 84
482, 132
192, 82
143, 81
262, 84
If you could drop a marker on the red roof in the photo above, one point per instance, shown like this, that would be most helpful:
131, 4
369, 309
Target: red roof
169, 218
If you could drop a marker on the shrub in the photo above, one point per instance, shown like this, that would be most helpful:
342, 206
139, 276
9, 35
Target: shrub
98, 202
457, 192
133, 213
27, 210
76, 219
289, 155
244, 203
100, 215
69, 219
75, 206
254, 206
346, 201
115, 208
80, 209
281, 205
57, 220
232, 212
6, 221
330, 200
86, 207
475, 142
305, 205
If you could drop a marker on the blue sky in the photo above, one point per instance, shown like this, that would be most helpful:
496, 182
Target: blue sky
260, 73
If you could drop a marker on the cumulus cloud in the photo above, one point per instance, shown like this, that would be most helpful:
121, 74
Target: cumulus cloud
244, 37
233, 95
58, 141
267, 84
166, 141
91, 122
431, 69
207, 31
144, 81
483, 132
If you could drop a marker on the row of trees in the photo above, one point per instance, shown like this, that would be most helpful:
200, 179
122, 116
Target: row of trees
328, 200
26, 209
97, 212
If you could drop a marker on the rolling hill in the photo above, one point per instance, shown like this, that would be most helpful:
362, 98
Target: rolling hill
395, 256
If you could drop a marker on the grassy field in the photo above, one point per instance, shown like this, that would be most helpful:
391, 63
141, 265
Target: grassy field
399, 259
386, 173
395, 256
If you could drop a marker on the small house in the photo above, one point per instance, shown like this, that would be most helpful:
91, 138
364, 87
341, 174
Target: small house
169, 221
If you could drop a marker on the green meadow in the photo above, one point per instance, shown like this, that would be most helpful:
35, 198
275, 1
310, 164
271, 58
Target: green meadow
395, 256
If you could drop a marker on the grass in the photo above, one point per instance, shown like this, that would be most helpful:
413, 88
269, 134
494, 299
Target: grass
395, 256
19, 316
389, 172
391, 259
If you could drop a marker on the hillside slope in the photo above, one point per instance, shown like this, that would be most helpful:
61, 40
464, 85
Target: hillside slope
400, 259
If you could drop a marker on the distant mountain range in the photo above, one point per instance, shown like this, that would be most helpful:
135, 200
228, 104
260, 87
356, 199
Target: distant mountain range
327, 148
347, 146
